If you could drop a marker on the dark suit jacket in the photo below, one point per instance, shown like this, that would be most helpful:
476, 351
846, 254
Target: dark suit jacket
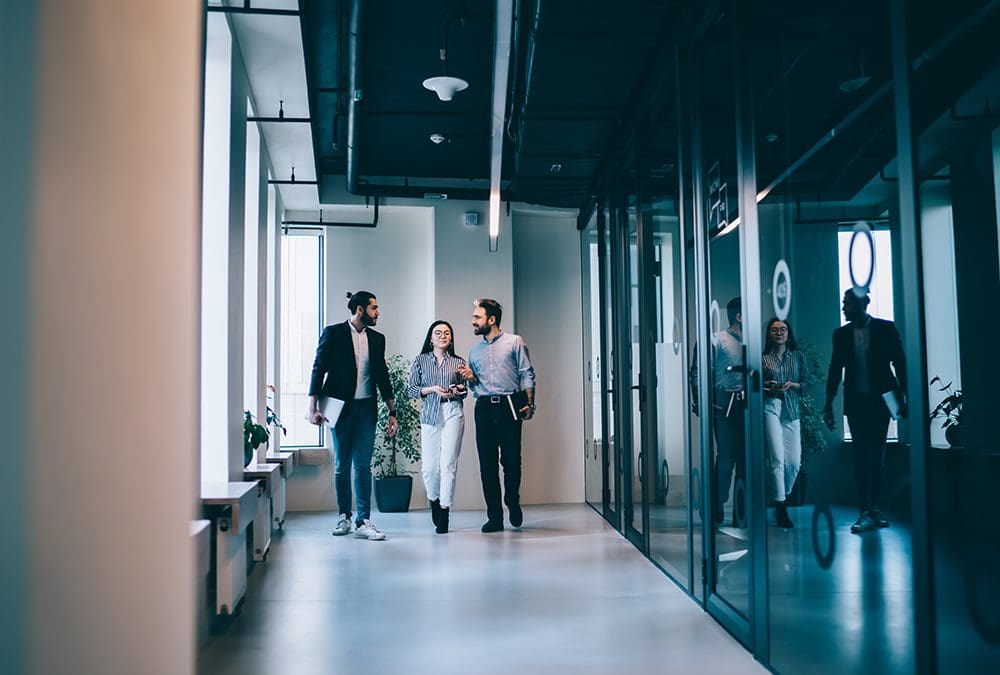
884, 348
335, 370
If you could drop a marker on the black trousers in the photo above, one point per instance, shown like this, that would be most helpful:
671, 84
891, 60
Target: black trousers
731, 453
498, 437
869, 421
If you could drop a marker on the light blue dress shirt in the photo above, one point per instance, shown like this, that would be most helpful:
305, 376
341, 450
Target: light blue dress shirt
501, 365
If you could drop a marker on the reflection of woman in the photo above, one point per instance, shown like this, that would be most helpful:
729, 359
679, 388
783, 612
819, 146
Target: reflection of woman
785, 376
432, 377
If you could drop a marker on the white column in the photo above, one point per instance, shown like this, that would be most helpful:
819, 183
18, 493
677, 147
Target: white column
114, 393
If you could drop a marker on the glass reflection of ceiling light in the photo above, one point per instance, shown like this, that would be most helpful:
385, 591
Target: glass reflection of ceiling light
445, 86
853, 84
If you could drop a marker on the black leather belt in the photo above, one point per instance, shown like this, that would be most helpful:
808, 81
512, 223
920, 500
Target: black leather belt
494, 400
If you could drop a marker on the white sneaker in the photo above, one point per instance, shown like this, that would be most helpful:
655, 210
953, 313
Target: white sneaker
343, 526
367, 530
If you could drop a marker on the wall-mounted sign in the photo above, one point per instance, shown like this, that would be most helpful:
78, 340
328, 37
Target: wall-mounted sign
861, 258
718, 210
781, 290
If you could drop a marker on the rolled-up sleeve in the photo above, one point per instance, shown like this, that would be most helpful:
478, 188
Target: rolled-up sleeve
525, 371
416, 377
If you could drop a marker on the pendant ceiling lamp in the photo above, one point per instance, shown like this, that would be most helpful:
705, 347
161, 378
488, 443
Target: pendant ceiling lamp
445, 85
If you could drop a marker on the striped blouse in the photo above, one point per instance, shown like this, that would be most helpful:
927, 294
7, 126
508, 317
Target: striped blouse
790, 367
425, 372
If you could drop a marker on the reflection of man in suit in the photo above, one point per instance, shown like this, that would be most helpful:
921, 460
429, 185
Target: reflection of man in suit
728, 407
350, 365
863, 350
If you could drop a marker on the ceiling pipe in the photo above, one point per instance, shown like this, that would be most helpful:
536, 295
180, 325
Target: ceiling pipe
523, 84
247, 9
329, 223
355, 92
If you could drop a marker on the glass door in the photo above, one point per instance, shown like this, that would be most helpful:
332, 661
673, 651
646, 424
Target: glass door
594, 378
627, 275
610, 454
720, 369
666, 347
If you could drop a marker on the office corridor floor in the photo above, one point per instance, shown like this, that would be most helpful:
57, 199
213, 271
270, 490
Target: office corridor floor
565, 594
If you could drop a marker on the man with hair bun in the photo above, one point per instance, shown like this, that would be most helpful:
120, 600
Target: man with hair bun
350, 365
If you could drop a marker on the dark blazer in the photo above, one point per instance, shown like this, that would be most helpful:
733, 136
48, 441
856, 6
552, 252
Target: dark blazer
884, 348
335, 369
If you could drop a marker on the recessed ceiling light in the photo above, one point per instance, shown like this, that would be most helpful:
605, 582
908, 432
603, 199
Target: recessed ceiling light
555, 168
438, 139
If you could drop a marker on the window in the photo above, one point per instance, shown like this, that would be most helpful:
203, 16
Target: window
880, 289
301, 324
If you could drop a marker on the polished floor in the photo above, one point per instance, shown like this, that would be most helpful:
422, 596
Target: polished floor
565, 594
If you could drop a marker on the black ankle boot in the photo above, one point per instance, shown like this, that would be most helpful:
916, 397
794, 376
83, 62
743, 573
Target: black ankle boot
781, 516
442, 524
436, 512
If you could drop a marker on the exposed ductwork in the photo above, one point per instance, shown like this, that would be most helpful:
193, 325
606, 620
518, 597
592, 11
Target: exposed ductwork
355, 91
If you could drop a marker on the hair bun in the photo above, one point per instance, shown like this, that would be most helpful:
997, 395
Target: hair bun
349, 295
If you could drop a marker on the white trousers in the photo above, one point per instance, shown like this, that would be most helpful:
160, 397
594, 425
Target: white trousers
440, 444
784, 448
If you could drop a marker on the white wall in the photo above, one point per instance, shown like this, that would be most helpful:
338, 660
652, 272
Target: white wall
113, 420
424, 263
548, 315
215, 251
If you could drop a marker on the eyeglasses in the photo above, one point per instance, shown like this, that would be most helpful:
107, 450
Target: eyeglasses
441, 333
779, 329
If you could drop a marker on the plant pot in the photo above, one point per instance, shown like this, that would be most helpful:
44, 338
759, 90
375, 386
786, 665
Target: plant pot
392, 494
953, 435
798, 495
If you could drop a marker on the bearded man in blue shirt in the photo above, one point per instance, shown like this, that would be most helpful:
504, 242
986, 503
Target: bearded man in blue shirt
502, 381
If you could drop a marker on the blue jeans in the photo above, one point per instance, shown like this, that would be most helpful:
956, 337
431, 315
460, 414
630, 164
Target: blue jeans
353, 442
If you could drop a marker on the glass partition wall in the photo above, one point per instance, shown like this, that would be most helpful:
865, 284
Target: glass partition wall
788, 398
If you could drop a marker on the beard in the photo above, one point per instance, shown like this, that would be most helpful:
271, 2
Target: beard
367, 320
481, 330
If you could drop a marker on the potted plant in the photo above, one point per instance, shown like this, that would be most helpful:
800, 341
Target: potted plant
272, 417
394, 457
253, 436
950, 411
811, 427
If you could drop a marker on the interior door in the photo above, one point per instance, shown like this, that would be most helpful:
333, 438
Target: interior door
721, 372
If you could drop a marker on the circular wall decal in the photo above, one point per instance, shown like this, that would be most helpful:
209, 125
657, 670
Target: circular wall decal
823, 559
861, 258
781, 290
714, 321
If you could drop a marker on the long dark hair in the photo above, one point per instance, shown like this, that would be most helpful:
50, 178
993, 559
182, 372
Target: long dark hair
789, 344
428, 347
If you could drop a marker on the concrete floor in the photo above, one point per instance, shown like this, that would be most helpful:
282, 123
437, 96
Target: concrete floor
566, 594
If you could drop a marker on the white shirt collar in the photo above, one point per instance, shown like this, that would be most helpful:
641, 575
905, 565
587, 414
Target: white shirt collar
350, 323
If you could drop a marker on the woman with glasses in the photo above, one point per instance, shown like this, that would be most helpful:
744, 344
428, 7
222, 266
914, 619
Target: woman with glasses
434, 379
786, 375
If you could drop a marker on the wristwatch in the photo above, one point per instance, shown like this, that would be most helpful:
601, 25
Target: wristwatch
532, 406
